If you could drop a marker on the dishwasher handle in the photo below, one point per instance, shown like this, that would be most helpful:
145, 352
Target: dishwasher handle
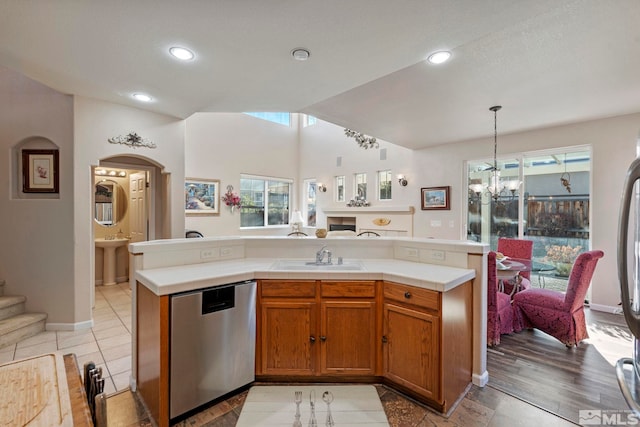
218, 299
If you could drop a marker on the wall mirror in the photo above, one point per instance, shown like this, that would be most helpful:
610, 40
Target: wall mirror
110, 203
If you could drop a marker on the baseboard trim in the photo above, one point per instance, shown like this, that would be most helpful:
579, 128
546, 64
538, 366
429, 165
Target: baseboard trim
69, 326
617, 309
480, 380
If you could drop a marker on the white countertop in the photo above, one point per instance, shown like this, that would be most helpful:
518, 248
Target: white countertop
171, 280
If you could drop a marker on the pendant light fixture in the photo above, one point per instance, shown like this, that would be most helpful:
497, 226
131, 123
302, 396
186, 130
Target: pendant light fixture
494, 185
495, 188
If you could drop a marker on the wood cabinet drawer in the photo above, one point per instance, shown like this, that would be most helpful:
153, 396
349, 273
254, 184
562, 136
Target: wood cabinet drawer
348, 289
412, 295
288, 288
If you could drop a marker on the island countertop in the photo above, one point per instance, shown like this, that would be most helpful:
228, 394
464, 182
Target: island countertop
183, 278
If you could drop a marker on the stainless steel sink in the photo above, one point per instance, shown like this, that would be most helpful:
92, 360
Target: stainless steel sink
300, 264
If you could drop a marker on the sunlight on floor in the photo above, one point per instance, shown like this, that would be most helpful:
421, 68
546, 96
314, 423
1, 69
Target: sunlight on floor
611, 341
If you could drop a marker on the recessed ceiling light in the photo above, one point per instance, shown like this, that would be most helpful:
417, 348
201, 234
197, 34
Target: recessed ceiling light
300, 54
142, 97
439, 57
181, 53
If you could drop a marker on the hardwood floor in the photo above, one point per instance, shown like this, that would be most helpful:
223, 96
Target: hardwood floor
538, 369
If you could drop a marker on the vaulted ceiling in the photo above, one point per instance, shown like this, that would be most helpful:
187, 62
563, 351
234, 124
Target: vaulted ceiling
547, 62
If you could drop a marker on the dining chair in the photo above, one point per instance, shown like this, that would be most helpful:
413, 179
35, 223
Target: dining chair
559, 314
368, 233
516, 248
499, 310
192, 234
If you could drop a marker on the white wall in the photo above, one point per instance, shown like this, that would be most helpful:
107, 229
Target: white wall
94, 123
320, 146
222, 146
37, 239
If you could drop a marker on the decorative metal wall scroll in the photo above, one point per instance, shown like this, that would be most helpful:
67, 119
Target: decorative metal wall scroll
132, 140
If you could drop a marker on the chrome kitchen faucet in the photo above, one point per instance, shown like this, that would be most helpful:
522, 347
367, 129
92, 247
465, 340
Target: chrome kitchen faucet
320, 255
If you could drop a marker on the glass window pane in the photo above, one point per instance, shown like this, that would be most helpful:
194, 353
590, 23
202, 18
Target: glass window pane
252, 199
280, 118
384, 182
278, 196
264, 202
557, 205
340, 197
310, 202
361, 186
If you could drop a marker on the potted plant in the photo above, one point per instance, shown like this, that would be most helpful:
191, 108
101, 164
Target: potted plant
562, 257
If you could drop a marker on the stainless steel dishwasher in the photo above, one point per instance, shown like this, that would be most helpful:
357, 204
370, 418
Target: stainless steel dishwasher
213, 337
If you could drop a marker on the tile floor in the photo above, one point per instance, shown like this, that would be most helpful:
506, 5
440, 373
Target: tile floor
108, 344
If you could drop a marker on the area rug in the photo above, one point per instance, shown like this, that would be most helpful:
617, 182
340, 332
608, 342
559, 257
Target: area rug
352, 405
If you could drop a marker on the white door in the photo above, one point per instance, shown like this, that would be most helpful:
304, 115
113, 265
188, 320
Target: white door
137, 207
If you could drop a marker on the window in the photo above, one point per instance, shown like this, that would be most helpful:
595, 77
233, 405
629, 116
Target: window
545, 199
360, 180
384, 185
265, 201
280, 118
309, 120
340, 188
309, 196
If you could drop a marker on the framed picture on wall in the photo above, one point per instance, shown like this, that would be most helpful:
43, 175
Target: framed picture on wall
434, 198
201, 196
40, 171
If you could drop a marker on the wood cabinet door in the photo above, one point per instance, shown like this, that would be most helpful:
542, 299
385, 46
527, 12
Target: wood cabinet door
411, 349
288, 334
347, 337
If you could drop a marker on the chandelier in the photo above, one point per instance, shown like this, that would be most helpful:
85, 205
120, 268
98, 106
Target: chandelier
363, 141
495, 188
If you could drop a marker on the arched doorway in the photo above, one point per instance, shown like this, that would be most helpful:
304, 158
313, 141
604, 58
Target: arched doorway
129, 203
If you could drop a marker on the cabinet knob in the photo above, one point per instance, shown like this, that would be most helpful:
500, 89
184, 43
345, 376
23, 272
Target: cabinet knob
323, 338
407, 295
384, 339
312, 339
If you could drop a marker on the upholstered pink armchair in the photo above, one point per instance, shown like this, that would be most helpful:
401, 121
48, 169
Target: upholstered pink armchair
516, 248
499, 310
559, 314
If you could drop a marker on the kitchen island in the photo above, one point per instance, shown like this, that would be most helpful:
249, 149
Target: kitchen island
411, 315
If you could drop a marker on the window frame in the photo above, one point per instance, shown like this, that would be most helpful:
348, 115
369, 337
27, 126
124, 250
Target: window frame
389, 180
265, 200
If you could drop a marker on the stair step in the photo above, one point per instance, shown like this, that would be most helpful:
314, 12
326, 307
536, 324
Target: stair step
11, 305
19, 327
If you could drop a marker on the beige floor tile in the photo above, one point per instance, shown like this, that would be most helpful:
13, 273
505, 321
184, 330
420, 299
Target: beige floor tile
108, 323
6, 356
35, 350
121, 380
115, 331
109, 387
75, 340
42, 337
115, 341
95, 357
118, 352
118, 366
82, 349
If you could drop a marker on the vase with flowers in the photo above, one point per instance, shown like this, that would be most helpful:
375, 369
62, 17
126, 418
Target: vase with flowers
231, 199
562, 258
